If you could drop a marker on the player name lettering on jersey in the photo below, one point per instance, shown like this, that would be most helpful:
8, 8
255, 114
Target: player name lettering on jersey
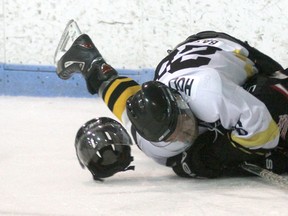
182, 84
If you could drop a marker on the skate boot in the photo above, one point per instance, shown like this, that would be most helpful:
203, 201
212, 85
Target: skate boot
83, 57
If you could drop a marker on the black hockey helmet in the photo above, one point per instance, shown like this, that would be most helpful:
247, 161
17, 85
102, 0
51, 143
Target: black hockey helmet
103, 146
157, 110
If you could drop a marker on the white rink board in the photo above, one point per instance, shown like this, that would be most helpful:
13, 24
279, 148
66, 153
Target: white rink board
40, 174
136, 34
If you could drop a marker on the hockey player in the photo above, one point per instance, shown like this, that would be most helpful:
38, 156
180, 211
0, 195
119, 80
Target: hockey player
195, 116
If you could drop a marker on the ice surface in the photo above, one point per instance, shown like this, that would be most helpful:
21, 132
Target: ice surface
40, 174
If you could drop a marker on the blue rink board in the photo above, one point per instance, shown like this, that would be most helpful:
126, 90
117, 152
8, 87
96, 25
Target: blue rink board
33, 80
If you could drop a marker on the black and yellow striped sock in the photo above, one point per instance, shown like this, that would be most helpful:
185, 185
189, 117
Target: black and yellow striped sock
117, 92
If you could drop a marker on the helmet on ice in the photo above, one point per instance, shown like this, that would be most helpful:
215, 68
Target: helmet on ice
103, 146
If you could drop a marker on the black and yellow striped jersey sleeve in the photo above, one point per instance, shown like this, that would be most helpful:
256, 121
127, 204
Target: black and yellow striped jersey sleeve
117, 92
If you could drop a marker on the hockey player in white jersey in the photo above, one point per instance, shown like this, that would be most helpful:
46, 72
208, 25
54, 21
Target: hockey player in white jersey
195, 116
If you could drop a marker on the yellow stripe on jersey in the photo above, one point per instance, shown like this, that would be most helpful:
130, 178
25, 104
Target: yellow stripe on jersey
249, 70
240, 55
117, 92
260, 138
248, 67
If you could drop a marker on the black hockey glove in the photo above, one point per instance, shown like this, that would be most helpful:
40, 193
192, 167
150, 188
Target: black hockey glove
275, 161
214, 158
198, 160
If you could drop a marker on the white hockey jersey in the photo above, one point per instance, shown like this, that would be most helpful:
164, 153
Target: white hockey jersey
209, 74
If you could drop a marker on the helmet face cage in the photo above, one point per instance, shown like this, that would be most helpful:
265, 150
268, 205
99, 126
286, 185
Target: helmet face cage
103, 146
186, 130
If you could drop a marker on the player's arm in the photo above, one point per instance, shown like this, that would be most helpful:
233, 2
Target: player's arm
248, 120
253, 128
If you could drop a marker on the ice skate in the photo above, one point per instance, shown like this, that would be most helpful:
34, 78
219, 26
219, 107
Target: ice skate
76, 53
82, 57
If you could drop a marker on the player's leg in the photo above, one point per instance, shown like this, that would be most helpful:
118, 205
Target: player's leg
102, 79
84, 57
77, 53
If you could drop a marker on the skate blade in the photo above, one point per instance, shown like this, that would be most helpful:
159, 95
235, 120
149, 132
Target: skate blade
69, 35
